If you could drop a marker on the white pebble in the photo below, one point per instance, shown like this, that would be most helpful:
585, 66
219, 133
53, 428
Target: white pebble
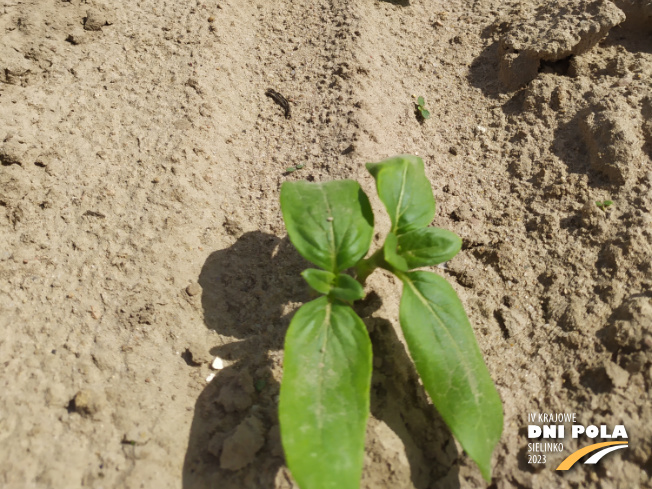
210, 377
218, 364
481, 129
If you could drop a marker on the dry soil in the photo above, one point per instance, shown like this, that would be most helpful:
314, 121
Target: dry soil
140, 232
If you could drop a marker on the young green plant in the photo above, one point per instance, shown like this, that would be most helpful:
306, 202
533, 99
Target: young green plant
421, 108
325, 391
604, 204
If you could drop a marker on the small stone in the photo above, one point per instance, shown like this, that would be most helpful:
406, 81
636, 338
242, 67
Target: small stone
210, 377
95, 313
11, 153
218, 364
193, 289
94, 20
453, 150
85, 403
76, 37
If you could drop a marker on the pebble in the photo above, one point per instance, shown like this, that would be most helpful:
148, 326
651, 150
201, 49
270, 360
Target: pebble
86, 403
210, 377
193, 289
218, 364
94, 20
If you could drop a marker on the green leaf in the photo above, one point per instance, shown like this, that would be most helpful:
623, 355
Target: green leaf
330, 224
448, 359
347, 288
324, 399
425, 114
428, 246
320, 280
404, 189
390, 254
421, 102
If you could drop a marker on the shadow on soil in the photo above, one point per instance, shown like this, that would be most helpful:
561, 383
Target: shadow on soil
234, 439
483, 72
401, 3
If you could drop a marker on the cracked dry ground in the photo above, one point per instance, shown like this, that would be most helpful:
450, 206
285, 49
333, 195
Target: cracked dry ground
140, 232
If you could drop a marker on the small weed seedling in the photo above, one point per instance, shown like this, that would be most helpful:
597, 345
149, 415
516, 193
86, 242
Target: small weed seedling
604, 205
324, 399
421, 108
292, 169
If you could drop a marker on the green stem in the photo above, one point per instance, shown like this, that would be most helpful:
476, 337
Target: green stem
364, 268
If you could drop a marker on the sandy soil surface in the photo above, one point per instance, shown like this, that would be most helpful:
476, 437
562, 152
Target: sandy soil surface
140, 232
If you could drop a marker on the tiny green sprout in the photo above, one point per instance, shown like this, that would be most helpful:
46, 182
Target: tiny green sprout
603, 205
291, 169
325, 392
421, 107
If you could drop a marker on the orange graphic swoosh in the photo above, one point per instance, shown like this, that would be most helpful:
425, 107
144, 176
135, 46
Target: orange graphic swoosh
575, 456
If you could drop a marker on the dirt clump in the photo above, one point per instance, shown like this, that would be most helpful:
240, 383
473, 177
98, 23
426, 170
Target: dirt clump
551, 32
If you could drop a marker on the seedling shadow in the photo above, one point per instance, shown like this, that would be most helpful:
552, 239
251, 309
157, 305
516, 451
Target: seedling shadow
234, 438
246, 289
398, 400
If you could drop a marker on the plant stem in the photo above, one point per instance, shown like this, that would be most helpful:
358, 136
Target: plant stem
364, 268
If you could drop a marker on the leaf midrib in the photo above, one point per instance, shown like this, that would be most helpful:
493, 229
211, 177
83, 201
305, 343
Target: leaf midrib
400, 200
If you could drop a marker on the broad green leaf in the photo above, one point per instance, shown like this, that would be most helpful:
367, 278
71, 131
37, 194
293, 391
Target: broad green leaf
425, 113
330, 224
347, 288
404, 189
390, 254
320, 280
448, 359
421, 102
428, 246
324, 399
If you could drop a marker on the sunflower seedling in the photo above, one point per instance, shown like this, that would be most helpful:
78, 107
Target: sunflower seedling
325, 391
